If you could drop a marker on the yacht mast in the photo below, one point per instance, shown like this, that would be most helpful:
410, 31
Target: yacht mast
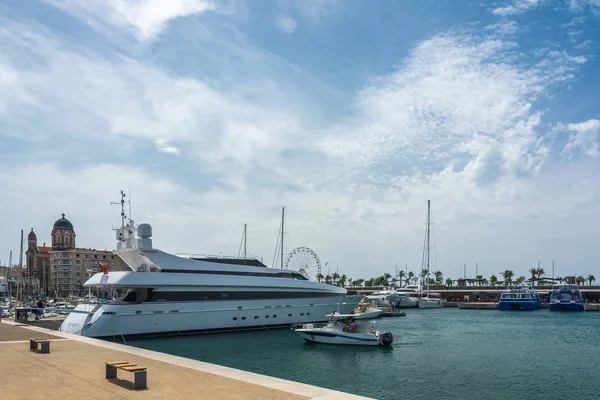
282, 225
245, 232
20, 271
7, 279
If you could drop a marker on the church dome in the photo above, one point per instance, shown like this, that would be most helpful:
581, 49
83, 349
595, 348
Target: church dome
32, 235
62, 224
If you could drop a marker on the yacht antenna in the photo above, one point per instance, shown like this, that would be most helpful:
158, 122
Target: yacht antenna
282, 225
122, 203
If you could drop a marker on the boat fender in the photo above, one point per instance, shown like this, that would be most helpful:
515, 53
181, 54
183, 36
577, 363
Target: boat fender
386, 338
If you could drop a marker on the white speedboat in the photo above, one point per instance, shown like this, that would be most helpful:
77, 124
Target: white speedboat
370, 313
381, 298
166, 294
336, 332
430, 302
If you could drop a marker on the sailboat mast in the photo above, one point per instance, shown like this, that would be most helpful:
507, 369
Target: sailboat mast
20, 272
428, 242
245, 231
282, 226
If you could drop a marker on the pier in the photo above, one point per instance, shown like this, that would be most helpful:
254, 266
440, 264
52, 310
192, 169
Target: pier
75, 369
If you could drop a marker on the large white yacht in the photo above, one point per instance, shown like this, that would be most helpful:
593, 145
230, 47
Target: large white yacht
167, 294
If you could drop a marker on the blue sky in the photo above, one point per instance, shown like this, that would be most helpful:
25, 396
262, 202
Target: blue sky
351, 114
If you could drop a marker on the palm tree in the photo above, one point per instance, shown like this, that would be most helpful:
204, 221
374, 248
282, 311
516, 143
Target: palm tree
411, 276
387, 278
328, 279
493, 280
580, 280
484, 282
401, 276
590, 278
539, 272
478, 279
335, 277
350, 282
520, 280
439, 277
320, 277
394, 280
533, 272
358, 282
342, 281
449, 281
507, 274
369, 282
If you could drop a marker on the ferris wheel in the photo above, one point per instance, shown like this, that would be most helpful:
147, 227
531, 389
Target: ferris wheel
305, 261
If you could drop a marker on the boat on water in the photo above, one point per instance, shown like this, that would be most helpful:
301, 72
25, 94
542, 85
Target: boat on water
343, 333
166, 294
519, 298
566, 298
431, 300
362, 311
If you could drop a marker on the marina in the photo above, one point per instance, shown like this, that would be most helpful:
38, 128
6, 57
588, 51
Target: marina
463, 350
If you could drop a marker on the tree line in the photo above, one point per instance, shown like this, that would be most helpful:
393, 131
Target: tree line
437, 278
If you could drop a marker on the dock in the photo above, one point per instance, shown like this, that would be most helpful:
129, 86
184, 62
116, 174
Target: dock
592, 306
478, 306
75, 369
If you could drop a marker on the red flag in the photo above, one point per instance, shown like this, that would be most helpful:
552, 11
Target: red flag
103, 267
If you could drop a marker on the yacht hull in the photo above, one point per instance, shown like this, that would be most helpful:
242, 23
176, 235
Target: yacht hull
519, 305
566, 306
156, 319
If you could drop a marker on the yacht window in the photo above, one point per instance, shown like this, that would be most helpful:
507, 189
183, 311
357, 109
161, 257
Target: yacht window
235, 318
274, 316
289, 315
243, 317
256, 317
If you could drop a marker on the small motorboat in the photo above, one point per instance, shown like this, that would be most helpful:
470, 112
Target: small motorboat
337, 332
362, 311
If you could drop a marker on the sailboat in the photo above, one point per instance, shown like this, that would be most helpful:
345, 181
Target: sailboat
428, 301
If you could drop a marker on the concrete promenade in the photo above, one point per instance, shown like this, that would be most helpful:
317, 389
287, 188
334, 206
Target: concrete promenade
75, 369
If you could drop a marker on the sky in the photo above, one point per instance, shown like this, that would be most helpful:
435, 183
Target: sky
212, 114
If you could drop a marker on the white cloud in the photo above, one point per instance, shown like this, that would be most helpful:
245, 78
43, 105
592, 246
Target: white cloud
584, 137
456, 101
145, 18
504, 27
286, 24
517, 7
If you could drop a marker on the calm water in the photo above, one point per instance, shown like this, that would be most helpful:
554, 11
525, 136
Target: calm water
446, 353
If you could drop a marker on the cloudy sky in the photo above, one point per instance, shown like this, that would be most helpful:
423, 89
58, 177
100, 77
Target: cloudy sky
351, 114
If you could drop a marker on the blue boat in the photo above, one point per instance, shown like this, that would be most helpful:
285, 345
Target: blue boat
566, 298
519, 298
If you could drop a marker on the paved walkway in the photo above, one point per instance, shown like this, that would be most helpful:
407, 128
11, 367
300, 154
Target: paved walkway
74, 369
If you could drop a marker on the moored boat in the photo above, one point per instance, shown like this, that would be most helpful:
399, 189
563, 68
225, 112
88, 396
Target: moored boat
519, 298
566, 298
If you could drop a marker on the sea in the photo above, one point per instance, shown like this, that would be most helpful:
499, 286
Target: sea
437, 354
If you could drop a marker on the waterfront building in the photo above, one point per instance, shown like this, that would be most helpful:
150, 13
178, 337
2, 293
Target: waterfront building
62, 268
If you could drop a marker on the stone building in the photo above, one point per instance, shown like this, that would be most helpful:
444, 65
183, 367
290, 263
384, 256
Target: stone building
38, 265
63, 268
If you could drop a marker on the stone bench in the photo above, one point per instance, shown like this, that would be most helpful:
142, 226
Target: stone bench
34, 344
139, 373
